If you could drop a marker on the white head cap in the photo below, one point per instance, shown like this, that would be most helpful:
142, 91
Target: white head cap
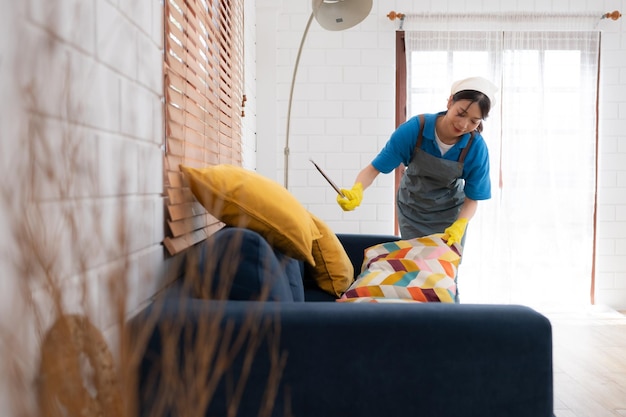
478, 84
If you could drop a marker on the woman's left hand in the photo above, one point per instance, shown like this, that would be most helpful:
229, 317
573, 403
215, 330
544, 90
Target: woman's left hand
454, 233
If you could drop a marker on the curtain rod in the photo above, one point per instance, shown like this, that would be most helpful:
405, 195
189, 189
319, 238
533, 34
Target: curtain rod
614, 15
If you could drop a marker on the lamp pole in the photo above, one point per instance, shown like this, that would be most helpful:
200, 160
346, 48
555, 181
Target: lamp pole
331, 15
293, 82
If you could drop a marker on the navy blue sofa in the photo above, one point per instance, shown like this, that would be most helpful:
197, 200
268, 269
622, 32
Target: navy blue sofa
314, 357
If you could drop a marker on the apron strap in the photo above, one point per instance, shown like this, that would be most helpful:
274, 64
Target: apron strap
466, 149
418, 145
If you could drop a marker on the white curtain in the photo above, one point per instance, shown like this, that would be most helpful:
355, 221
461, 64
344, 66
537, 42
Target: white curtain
532, 243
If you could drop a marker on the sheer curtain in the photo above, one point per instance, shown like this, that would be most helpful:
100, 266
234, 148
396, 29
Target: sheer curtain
532, 243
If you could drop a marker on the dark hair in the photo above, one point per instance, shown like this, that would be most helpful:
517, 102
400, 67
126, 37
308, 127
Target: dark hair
475, 97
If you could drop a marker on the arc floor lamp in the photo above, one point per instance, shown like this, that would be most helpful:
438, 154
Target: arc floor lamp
332, 15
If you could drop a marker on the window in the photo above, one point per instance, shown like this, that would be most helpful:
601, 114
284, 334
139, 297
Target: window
203, 105
533, 241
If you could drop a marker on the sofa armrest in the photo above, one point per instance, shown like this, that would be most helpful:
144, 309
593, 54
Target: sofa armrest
355, 245
444, 360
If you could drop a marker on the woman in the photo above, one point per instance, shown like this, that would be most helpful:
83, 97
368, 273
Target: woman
447, 165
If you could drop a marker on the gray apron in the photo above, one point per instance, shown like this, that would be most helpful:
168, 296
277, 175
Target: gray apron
431, 192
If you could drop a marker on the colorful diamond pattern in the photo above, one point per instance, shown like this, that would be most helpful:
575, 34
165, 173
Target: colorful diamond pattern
422, 269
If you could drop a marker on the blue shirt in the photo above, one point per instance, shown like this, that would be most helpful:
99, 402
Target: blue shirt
401, 145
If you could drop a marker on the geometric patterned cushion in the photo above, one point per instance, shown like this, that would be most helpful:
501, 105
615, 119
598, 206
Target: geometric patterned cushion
378, 300
422, 269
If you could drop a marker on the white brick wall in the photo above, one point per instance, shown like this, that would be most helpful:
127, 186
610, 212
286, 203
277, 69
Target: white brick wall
344, 100
82, 80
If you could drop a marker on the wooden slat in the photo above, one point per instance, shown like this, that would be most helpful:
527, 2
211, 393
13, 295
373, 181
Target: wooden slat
181, 211
176, 179
190, 121
177, 245
178, 131
187, 225
189, 78
173, 161
194, 152
175, 51
180, 195
175, 146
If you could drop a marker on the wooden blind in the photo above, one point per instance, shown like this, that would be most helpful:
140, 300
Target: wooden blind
203, 85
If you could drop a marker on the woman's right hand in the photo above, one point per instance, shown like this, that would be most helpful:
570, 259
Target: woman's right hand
353, 197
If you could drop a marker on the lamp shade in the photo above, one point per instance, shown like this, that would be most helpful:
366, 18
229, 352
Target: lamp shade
340, 14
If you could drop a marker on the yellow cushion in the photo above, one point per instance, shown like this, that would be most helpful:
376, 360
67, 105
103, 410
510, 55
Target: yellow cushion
333, 271
244, 198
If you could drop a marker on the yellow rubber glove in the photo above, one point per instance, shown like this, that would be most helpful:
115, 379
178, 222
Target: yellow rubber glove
455, 232
353, 198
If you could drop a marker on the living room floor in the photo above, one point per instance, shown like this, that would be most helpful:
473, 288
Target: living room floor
589, 356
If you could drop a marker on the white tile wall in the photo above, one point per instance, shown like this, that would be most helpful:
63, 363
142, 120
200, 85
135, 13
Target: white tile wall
344, 105
611, 261
250, 88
